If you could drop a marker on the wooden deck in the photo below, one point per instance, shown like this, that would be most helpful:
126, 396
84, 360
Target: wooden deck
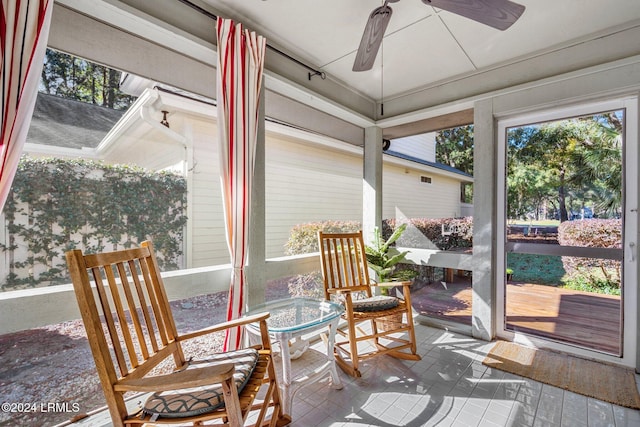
579, 318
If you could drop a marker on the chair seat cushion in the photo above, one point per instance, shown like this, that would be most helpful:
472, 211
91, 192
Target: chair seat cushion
200, 400
376, 303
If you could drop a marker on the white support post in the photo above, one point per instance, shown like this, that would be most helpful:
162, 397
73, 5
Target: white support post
483, 320
372, 182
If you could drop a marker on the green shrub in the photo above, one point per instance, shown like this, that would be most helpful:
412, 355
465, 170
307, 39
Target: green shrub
56, 205
421, 233
426, 233
303, 238
590, 284
600, 233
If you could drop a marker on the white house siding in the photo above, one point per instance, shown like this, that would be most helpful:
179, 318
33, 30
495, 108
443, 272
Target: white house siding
306, 183
308, 178
421, 146
405, 196
205, 236
207, 232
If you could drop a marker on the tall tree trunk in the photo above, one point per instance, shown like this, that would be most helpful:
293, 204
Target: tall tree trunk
562, 199
74, 88
105, 87
91, 73
112, 86
45, 81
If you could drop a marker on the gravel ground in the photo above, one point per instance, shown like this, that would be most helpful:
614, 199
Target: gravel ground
47, 375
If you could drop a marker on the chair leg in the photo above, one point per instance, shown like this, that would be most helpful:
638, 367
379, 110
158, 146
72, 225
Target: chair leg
404, 355
374, 331
271, 399
353, 349
347, 367
412, 337
231, 403
409, 314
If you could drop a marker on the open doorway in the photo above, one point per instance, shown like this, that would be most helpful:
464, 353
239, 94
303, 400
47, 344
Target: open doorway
568, 216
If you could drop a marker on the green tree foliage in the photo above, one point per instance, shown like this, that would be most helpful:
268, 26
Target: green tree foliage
566, 164
599, 165
592, 274
454, 147
56, 205
75, 78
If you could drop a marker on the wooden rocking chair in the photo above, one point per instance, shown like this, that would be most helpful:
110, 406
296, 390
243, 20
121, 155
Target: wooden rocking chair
131, 331
346, 279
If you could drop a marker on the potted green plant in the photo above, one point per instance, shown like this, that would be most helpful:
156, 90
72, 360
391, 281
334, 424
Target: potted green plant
384, 260
509, 273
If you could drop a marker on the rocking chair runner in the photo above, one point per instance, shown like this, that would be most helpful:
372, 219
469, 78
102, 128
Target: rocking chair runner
346, 276
131, 330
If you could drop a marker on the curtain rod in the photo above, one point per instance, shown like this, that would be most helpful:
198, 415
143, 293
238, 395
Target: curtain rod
312, 71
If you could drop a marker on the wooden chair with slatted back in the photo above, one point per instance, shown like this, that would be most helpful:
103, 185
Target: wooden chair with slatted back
131, 331
390, 327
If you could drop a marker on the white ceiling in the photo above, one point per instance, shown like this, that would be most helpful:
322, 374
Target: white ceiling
432, 68
423, 46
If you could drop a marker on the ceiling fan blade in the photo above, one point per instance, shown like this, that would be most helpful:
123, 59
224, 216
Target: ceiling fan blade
372, 38
500, 14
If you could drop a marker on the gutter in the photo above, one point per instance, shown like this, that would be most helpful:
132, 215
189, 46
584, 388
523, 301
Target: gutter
443, 169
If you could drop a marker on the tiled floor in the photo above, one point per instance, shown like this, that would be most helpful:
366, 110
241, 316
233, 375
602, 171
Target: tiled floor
449, 387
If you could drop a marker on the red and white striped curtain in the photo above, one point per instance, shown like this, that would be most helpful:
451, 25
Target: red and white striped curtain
241, 56
24, 29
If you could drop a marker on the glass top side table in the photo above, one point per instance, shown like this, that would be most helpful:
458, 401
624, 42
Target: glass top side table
293, 318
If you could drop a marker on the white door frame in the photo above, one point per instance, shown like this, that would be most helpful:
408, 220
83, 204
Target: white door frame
630, 224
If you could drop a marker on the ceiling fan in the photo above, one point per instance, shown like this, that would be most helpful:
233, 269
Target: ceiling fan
499, 14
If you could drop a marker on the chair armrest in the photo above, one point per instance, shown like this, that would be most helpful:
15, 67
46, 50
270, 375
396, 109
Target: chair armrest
260, 317
348, 290
389, 284
178, 380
